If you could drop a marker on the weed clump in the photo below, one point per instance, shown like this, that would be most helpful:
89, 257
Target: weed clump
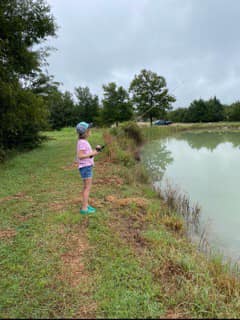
133, 131
173, 223
180, 203
123, 143
129, 130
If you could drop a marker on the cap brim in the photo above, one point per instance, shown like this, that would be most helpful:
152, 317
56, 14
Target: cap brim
90, 125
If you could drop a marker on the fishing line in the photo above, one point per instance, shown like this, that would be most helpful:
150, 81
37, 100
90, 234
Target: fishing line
145, 112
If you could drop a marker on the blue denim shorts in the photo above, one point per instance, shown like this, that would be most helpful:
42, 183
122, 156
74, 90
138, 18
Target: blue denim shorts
86, 172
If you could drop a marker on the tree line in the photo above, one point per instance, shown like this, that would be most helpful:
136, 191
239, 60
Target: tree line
211, 110
146, 98
31, 101
138, 102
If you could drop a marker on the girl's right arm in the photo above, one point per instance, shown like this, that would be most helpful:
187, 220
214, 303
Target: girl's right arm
82, 155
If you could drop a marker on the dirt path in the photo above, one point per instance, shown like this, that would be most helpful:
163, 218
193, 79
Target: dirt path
74, 271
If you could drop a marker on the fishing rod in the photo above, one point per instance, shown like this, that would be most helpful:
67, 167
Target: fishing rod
100, 148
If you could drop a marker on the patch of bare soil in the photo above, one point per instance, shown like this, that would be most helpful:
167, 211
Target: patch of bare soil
57, 206
23, 218
74, 271
7, 234
170, 270
108, 180
174, 315
71, 166
122, 202
129, 225
17, 196
171, 274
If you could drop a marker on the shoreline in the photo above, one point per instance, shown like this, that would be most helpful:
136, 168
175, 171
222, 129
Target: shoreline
203, 241
129, 260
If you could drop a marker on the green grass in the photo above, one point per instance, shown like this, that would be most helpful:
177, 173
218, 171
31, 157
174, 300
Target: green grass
30, 261
158, 132
126, 290
129, 259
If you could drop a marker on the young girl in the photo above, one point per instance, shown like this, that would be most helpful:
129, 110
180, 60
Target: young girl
85, 156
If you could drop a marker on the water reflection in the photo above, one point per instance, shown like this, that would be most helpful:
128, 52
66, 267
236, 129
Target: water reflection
157, 157
206, 167
209, 140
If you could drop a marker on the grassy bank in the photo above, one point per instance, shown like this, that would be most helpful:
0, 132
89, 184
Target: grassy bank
163, 131
129, 260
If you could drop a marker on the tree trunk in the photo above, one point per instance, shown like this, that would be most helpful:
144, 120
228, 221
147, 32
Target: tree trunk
151, 120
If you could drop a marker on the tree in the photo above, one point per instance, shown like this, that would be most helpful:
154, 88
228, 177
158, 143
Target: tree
178, 115
62, 110
197, 112
233, 111
87, 107
150, 95
24, 115
215, 110
24, 23
117, 106
205, 111
43, 85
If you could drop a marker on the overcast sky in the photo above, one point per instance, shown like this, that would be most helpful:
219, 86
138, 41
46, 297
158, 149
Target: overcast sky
194, 44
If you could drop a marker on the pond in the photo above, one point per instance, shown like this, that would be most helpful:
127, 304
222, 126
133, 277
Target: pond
206, 167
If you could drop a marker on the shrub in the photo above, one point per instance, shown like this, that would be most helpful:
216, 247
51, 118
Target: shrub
23, 115
133, 131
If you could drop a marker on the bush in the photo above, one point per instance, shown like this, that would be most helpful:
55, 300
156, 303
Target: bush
125, 157
129, 130
23, 115
133, 131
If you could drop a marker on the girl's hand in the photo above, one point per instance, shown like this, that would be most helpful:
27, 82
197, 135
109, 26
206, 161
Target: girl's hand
99, 148
94, 153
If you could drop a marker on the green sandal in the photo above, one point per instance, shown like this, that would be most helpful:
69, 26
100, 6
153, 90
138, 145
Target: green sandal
88, 211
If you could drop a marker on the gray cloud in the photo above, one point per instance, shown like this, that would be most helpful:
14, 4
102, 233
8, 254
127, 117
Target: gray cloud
191, 43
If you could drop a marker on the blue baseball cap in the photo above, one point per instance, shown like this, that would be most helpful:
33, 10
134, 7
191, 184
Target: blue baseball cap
82, 127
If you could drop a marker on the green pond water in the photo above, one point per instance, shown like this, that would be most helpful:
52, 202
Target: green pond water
206, 167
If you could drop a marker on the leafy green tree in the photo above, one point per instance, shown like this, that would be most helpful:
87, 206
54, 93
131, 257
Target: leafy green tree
43, 85
24, 115
69, 109
87, 107
24, 24
200, 111
117, 106
215, 110
150, 95
197, 112
233, 111
178, 115
62, 110
205, 111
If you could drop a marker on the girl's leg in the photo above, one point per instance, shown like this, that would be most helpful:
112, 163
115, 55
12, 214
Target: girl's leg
87, 183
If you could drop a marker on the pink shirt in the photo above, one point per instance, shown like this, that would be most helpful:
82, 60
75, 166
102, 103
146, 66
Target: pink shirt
84, 146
